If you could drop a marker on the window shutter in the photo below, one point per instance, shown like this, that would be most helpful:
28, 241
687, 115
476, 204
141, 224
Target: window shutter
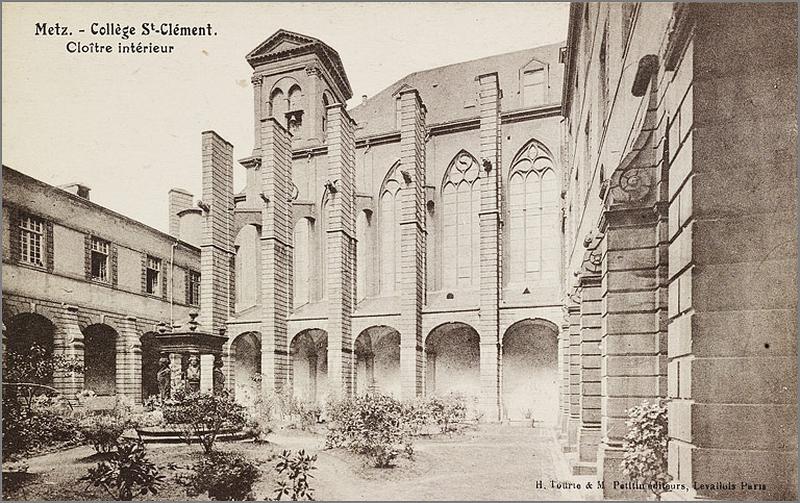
164, 278
48, 238
114, 261
14, 234
144, 273
87, 256
187, 274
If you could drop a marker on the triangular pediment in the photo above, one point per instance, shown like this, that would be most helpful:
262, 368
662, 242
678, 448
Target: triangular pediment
280, 41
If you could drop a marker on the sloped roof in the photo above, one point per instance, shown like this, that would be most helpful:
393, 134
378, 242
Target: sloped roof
285, 44
447, 89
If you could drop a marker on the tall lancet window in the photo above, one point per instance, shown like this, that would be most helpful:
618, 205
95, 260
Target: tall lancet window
389, 223
461, 199
323, 239
362, 254
533, 208
302, 262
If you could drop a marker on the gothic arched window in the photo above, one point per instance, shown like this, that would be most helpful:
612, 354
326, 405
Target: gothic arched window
461, 199
362, 226
533, 204
389, 222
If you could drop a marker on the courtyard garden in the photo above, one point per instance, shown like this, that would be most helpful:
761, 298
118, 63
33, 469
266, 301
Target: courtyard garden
370, 447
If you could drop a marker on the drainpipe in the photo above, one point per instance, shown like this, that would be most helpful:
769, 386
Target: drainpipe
172, 286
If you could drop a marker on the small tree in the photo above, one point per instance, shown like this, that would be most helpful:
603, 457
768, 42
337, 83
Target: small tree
206, 415
645, 446
127, 474
296, 471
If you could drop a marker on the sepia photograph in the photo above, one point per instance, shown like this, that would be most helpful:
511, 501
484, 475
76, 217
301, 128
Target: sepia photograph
411, 251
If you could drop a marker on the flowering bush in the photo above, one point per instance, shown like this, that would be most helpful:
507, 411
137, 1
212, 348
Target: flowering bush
447, 412
40, 425
102, 431
373, 426
223, 476
645, 446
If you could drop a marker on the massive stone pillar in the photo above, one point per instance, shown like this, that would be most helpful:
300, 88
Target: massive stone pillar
216, 249
276, 252
590, 330
129, 360
340, 249
68, 341
412, 242
563, 382
179, 200
574, 349
733, 251
633, 349
489, 218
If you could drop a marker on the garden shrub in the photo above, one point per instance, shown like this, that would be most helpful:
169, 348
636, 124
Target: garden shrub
38, 425
645, 446
373, 426
223, 476
447, 412
297, 413
102, 431
296, 472
127, 474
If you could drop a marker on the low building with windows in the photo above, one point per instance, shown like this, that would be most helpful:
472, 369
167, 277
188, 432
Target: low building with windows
409, 245
82, 280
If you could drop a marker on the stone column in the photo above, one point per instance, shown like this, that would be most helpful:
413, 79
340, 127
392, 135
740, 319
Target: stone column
258, 112
341, 249
489, 217
216, 250
312, 121
412, 242
733, 252
206, 373
129, 360
276, 252
68, 342
176, 369
590, 326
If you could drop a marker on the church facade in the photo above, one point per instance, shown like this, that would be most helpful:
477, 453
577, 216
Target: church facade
408, 246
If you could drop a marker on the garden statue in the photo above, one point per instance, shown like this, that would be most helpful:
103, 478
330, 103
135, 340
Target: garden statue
219, 376
164, 378
193, 375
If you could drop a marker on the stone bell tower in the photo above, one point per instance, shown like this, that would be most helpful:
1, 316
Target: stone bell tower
295, 77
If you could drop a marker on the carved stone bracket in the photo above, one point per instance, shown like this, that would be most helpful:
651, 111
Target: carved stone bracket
592, 257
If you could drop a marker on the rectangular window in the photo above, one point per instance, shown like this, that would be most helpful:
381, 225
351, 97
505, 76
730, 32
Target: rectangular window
100, 253
533, 87
153, 275
194, 288
31, 240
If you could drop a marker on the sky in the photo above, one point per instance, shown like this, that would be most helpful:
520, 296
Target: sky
128, 126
